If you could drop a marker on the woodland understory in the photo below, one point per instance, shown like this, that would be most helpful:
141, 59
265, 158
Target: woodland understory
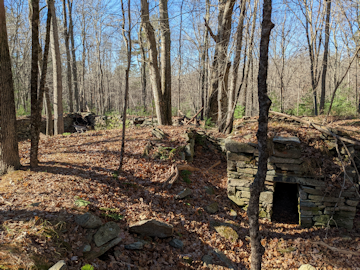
38, 206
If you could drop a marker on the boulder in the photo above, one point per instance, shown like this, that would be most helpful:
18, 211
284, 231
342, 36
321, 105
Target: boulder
135, 246
98, 251
184, 193
106, 233
226, 231
152, 227
176, 243
212, 208
88, 221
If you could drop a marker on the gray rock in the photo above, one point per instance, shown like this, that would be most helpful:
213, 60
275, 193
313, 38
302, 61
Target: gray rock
135, 246
307, 267
239, 157
352, 203
291, 167
266, 196
184, 193
209, 190
176, 243
212, 208
88, 221
225, 259
286, 140
106, 233
86, 248
152, 227
207, 259
158, 133
288, 153
237, 147
273, 159
325, 199
60, 265
98, 251
226, 231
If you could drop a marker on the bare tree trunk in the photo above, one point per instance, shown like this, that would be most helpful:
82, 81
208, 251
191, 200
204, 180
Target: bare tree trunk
165, 60
9, 151
161, 86
204, 63
325, 60
49, 120
83, 35
143, 68
68, 64
74, 67
37, 95
220, 62
127, 39
180, 57
57, 76
232, 101
257, 250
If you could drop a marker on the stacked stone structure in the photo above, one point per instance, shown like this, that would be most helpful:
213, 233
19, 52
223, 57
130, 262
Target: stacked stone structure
286, 164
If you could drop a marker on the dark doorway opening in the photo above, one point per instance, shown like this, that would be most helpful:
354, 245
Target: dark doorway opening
285, 208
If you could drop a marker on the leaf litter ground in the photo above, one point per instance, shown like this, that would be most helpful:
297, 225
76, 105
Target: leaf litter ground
38, 206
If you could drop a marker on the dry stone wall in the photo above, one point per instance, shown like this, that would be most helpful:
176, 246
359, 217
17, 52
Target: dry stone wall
286, 164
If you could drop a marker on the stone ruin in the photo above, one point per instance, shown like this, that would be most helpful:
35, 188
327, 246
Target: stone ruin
316, 203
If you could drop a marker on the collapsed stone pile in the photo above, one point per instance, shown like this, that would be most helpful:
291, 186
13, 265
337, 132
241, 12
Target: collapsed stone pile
286, 164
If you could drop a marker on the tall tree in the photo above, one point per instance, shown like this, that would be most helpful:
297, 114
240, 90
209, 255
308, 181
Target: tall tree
257, 250
160, 79
73, 54
9, 151
57, 73
143, 67
204, 63
325, 59
68, 59
233, 96
37, 94
217, 99
127, 39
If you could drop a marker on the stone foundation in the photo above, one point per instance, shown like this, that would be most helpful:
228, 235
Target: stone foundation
286, 164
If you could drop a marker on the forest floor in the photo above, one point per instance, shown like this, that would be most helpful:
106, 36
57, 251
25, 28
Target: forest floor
38, 207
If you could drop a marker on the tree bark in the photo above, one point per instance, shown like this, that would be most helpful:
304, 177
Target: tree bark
9, 151
160, 81
180, 57
143, 68
127, 39
257, 250
73, 53
325, 60
57, 76
217, 91
232, 100
68, 59
204, 63
38, 95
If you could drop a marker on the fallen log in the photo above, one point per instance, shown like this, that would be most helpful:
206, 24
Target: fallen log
194, 116
325, 130
337, 249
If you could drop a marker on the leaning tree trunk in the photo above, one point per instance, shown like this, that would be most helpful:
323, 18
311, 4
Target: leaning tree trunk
257, 250
57, 77
9, 151
143, 68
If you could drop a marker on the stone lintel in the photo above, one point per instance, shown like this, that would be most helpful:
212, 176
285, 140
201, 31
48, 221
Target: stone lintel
273, 159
